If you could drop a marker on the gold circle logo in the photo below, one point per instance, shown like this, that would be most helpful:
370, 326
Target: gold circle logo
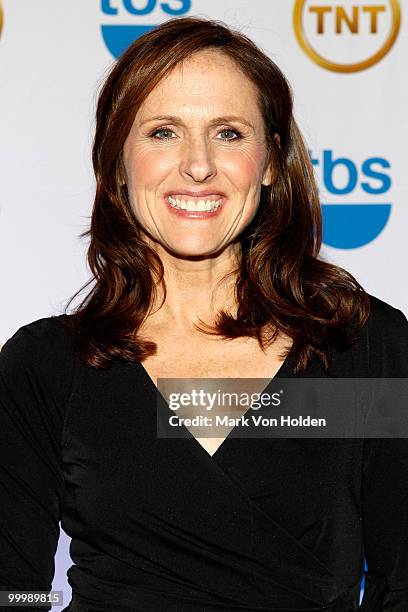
346, 21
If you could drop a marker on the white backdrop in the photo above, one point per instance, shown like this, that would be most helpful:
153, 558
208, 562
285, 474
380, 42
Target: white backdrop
53, 56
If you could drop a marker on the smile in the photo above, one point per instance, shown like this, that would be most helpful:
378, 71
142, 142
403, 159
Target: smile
194, 204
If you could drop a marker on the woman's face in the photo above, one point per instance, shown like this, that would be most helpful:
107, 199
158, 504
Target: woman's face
211, 142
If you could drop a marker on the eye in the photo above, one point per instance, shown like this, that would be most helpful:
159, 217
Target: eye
237, 132
160, 130
163, 130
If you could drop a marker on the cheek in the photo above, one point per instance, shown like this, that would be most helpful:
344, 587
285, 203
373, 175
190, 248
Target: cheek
148, 165
144, 166
244, 167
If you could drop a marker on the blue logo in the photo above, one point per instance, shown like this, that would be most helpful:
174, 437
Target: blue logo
118, 37
364, 210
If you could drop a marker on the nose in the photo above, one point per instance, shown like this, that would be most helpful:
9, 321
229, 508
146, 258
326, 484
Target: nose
198, 160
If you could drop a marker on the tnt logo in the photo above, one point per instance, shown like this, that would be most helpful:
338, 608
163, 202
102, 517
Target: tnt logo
120, 29
356, 207
346, 35
1, 18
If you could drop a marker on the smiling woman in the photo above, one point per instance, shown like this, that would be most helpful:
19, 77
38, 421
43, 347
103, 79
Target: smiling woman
207, 123
204, 247
204, 167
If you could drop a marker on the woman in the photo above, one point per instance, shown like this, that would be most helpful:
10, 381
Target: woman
205, 237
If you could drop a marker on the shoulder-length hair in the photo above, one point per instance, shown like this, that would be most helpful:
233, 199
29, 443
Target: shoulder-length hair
281, 284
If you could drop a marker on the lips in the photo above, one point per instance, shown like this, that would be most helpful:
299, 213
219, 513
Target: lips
196, 194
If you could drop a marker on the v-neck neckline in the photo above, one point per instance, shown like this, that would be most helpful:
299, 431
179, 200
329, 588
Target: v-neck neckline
285, 370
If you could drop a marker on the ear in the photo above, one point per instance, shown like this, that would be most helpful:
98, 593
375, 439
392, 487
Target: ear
269, 175
122, 171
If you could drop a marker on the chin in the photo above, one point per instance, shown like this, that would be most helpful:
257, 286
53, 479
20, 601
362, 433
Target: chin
192, 251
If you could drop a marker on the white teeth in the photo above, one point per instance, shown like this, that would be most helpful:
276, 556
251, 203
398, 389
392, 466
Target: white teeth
194, 205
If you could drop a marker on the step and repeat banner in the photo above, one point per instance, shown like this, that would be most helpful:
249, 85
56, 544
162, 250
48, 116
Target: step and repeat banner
346, 61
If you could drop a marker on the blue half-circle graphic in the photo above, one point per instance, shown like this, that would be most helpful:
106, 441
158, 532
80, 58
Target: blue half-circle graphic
348, 226
118, 37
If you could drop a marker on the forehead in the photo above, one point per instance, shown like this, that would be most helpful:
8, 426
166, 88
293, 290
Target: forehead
208, 81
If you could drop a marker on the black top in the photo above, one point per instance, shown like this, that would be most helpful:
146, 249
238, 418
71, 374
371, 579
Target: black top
161, 525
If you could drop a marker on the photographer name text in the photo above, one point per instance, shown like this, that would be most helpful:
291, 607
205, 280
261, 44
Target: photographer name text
245, 421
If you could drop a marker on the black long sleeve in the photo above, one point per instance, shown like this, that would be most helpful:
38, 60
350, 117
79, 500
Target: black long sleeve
268, 524
385, 473
34, 386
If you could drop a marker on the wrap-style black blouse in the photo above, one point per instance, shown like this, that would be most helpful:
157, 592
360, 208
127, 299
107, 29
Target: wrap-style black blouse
161, 525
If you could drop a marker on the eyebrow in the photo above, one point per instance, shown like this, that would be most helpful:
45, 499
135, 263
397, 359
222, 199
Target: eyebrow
215, 121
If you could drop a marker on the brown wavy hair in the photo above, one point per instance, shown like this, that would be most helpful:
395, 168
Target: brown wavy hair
280, 283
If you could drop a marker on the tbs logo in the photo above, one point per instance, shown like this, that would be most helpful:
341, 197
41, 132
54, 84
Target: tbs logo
349, 35
364, 210
118, 37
